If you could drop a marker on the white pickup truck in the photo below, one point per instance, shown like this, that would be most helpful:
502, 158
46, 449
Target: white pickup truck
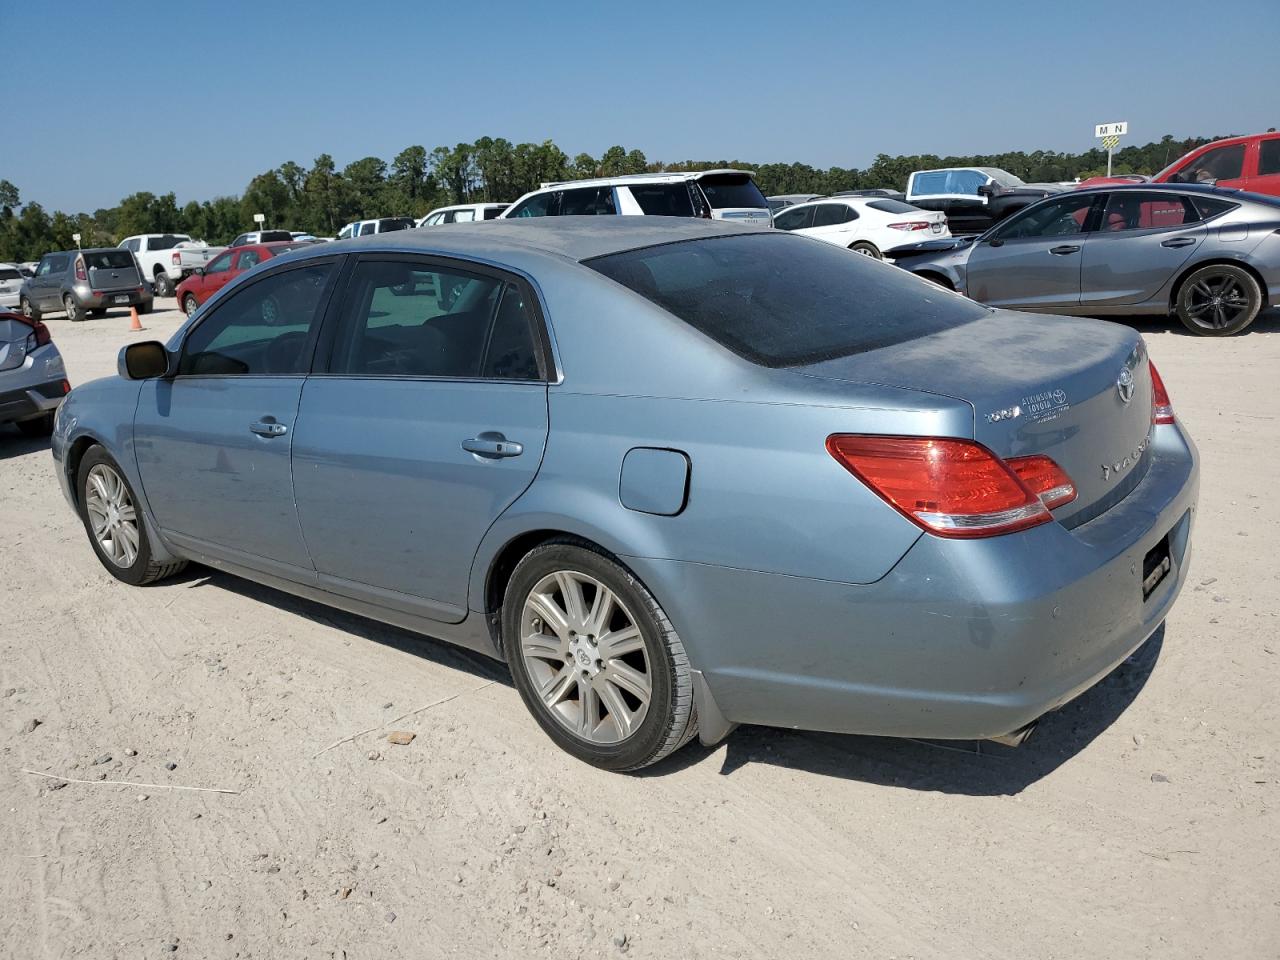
167, 259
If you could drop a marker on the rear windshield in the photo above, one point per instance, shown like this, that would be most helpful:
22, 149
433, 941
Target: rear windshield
167, 242
108, 260
779, 300
726, 190
892, 206
663, 199
399, 223
8, 273
271, 236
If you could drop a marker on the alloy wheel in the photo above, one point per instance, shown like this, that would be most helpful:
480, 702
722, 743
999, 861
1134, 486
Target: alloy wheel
189, 305
586, 657
112, 515
1217, 301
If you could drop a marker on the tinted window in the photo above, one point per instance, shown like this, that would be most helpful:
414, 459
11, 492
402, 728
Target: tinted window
832, 214
7, 273
1224, 163
394, 223
108, 260
261, 329
220, 263
539, 205
1212, 206
55, 263
587, 202
403, 319
492, 213
892, 206
1055, 218
368, 228
240, 240
794, 219
1138, 210
167, 242
663, 199
778, 302
1269, 157
726, 190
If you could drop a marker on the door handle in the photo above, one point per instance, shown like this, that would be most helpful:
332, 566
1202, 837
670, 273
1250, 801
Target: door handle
1063, 250
1179, 242
267, 427
492, 446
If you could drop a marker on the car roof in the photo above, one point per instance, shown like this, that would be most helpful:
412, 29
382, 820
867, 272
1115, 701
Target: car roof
629, 178
572, 238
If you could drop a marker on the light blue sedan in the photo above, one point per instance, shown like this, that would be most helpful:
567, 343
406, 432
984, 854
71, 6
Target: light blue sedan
678, 474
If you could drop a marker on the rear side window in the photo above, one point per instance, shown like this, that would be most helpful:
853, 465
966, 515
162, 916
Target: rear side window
408, 319
1212, 206
833, 214
727, 190
929, 182
663, 199
892, 206
587, 202
108, 260
1139, 211
492, 213
1269, 157
778, 302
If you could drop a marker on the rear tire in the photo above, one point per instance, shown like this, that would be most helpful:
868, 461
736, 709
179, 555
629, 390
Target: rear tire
113, 520
39, 427
163, 285
74, 312
867, 250
1218, 300
583, 663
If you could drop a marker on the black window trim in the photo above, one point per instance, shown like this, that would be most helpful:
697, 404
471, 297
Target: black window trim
545, 355
313, 335
1091, 221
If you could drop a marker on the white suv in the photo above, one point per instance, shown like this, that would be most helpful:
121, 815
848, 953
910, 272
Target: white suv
716, 194
463, 213
362, 228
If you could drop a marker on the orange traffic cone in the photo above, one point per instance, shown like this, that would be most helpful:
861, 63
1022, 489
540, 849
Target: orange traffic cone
134, 322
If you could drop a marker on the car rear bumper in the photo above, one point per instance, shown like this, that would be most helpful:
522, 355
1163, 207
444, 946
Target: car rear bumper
963, 639
26, 403
105, 299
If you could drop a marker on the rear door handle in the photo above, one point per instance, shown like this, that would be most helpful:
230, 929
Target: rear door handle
1179, 242
1063, 250
492, 446
267, 427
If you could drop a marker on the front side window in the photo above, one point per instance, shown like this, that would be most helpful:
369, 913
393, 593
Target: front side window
240, 240
778, 302
965, 182
1054, 218
539, 205
263, 329
832, 214
1139, 210
587, 202
1269, 157
220, 264
344, 234
132, 244
409, 319
797, 218
663, 199
1223, 163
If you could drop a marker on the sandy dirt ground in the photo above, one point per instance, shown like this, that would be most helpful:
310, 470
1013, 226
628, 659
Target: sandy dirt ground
1141, 821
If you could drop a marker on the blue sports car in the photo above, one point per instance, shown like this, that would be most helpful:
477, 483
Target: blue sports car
678, 474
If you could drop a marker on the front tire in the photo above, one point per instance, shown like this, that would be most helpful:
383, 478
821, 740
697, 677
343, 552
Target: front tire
189, 305
163, 285
74, 313
595, 658
1218, 300
867, 250
113, 520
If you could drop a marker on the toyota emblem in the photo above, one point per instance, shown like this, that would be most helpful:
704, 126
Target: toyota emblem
1124, 384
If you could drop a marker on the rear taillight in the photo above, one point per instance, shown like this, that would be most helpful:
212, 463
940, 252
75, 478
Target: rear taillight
954, 488
1045, 479
176, 259
80, 271
1161, 405
910, 225
39, 336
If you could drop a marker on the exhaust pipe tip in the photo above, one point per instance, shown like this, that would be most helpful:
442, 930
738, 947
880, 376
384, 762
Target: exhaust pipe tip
1018, 737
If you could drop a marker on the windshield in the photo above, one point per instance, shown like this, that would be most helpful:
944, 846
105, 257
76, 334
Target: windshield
779, 300
725, 190
108, 260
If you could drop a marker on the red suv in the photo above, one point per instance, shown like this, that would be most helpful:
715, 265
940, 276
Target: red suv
224, 268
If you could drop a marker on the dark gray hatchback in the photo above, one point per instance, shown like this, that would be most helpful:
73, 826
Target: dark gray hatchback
85, 283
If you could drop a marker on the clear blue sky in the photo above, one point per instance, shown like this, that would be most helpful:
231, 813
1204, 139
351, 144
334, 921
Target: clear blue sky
107, 97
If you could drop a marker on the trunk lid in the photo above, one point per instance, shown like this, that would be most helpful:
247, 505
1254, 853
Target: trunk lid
111, 270
13, 343
1037, 385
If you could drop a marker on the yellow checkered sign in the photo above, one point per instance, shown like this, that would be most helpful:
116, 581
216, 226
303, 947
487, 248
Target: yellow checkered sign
1111, 142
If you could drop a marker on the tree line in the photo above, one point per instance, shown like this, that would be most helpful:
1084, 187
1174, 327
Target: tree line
321, 198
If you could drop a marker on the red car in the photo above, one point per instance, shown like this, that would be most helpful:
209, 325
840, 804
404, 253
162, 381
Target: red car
224, 268
1243, 163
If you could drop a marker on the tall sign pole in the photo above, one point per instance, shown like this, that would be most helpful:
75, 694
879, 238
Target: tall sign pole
1110, 134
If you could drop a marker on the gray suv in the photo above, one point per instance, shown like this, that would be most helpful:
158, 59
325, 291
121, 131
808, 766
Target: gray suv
85, 283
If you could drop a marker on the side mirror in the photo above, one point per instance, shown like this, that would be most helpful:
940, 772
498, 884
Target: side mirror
143, 361
200, 271
987, 190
